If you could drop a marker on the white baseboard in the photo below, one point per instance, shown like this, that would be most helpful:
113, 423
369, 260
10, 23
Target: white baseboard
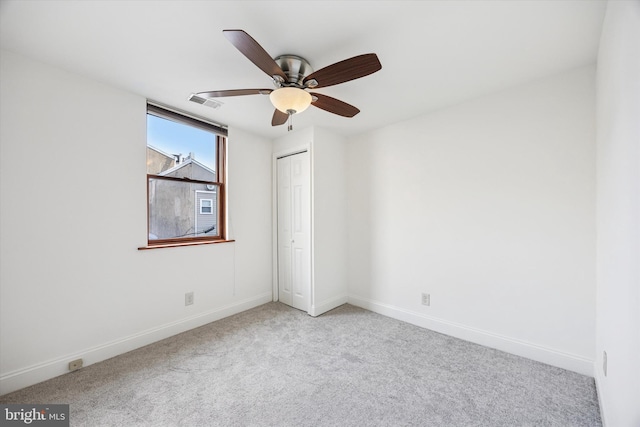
330, 304
598, 380
34, 374
535, 352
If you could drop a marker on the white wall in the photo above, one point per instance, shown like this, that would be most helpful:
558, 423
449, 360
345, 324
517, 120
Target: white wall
293, 140
73, 213
489, 207
249, 170
618, 165
330, 221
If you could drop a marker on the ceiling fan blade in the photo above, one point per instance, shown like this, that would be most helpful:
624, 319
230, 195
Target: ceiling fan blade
233, 92
279, 118
254, 52
344, 71
334, 106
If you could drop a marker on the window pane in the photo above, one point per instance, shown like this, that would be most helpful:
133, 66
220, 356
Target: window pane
177, 149
174, 209
205, 206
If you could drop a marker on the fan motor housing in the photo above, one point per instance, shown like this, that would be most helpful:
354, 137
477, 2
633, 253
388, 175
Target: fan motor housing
295, 67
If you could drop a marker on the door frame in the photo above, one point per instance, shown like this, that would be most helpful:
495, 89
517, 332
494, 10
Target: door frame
274, 216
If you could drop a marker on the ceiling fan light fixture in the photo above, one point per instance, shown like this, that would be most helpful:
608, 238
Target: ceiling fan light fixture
290, 100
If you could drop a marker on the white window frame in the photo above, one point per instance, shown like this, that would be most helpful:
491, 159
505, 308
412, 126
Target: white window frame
210, 207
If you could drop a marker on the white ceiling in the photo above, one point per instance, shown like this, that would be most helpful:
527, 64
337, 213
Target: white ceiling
433, 53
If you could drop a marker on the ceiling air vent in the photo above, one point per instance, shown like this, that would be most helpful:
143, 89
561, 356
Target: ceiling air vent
205, 101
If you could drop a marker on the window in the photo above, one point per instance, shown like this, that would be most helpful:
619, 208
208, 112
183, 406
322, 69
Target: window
185, 178
206, 206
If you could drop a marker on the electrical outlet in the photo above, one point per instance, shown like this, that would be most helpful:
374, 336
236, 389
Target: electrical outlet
426, 299
604, 362
188, 298
74, 365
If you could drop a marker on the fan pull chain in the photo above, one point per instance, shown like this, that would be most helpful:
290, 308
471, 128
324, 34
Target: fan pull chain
290, 120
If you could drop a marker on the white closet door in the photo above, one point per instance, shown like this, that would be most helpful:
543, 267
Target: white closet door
294, 230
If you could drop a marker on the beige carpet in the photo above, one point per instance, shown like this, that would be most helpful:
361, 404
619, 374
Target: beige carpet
276, 366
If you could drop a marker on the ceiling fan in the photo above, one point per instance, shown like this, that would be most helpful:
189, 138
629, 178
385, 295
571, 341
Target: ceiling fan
293, 78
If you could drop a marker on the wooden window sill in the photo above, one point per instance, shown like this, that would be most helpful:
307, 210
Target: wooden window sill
175, 245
